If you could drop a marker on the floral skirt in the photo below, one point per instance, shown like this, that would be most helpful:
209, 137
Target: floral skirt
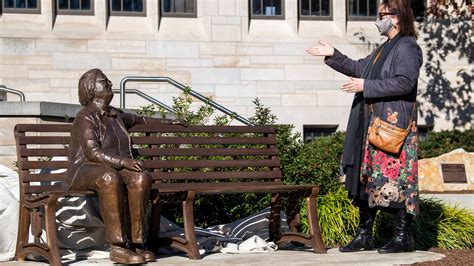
392, 180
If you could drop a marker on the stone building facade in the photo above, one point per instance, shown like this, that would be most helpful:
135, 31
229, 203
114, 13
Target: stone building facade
222, 50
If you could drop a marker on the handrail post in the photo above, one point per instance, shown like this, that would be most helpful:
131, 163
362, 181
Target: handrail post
182, 88
122, 92
13, 91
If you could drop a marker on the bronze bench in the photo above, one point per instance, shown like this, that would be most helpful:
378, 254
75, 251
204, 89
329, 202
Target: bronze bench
184, 162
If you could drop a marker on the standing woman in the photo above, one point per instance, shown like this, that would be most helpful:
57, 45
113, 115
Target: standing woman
385, 85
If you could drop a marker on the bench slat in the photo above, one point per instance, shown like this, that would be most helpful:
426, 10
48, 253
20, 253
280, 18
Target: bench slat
38, 189
231, 187
216, 175
43, 177
43, 127
43, 165
24, 152
207, 151
211, 163
204, 140
204, 129
43, 140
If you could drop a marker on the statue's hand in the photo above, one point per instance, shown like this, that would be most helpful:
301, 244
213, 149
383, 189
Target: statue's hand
132, 165
180, 122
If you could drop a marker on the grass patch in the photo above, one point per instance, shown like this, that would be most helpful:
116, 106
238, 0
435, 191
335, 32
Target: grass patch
437, 225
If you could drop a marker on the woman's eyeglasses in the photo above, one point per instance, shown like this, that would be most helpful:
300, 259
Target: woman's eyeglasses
383, 14
105, 82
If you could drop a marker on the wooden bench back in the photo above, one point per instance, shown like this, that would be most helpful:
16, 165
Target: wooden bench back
170, 153
208, 153
36, 145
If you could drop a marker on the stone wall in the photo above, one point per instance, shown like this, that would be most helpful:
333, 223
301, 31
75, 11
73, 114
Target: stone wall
221, 53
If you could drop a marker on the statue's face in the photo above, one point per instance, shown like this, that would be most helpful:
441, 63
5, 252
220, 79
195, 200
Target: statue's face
103, 88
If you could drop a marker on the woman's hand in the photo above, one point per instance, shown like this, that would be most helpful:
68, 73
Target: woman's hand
132, 165
323, 49
353, 86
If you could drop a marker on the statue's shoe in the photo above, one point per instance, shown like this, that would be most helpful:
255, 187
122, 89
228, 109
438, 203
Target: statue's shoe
149, 256
125, 256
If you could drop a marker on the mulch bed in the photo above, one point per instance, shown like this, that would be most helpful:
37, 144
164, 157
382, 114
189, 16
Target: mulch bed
453, 257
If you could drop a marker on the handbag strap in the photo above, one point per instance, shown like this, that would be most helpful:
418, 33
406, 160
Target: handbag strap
411, 117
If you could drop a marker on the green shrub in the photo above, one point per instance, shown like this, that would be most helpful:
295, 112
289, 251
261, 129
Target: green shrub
317, 163
338, 217
445, 141
437, 224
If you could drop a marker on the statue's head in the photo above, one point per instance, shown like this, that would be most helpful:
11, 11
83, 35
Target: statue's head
95, 84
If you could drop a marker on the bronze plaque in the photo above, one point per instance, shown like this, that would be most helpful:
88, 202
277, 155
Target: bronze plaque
454, 173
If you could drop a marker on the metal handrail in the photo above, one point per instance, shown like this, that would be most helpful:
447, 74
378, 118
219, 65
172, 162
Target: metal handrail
181, 87
146, 97
10, 90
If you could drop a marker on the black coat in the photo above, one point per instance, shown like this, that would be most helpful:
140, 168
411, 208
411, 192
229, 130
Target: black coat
395, 89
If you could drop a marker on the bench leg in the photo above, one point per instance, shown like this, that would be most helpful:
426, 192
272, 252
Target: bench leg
314, 230
154, 232
52, 231
30, 215
23, 229
189, 232
274, 219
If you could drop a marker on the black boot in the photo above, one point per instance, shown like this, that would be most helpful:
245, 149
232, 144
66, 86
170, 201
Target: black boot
403, 239
364, 238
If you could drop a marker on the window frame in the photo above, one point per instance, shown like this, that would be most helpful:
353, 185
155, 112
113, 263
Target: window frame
75, 12
330, 128
424, 131
178, 14
15, 10
323, 18
126, 13
276, 17
362, 18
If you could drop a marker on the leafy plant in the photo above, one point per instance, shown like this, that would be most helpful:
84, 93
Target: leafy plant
263, 115
147, 110
437, 224
445, 141
182, 109
338, 217
317, 163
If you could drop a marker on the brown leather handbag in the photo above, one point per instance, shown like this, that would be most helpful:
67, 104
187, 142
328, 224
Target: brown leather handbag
386, 136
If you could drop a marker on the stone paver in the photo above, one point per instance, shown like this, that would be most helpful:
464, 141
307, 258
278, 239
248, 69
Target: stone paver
284, 257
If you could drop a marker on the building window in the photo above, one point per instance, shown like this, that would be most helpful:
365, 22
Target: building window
75, 7
362, 9
127, 7
423, 131
178, 8
21, 6
267, 9
419, 9
315, 9
312, 132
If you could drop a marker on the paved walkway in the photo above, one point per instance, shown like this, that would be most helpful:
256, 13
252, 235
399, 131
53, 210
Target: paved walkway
465, 201
283, 257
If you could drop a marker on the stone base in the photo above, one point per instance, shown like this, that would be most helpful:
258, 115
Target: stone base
431, 176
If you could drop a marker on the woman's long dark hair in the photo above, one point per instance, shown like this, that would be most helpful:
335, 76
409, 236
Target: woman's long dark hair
403, 11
